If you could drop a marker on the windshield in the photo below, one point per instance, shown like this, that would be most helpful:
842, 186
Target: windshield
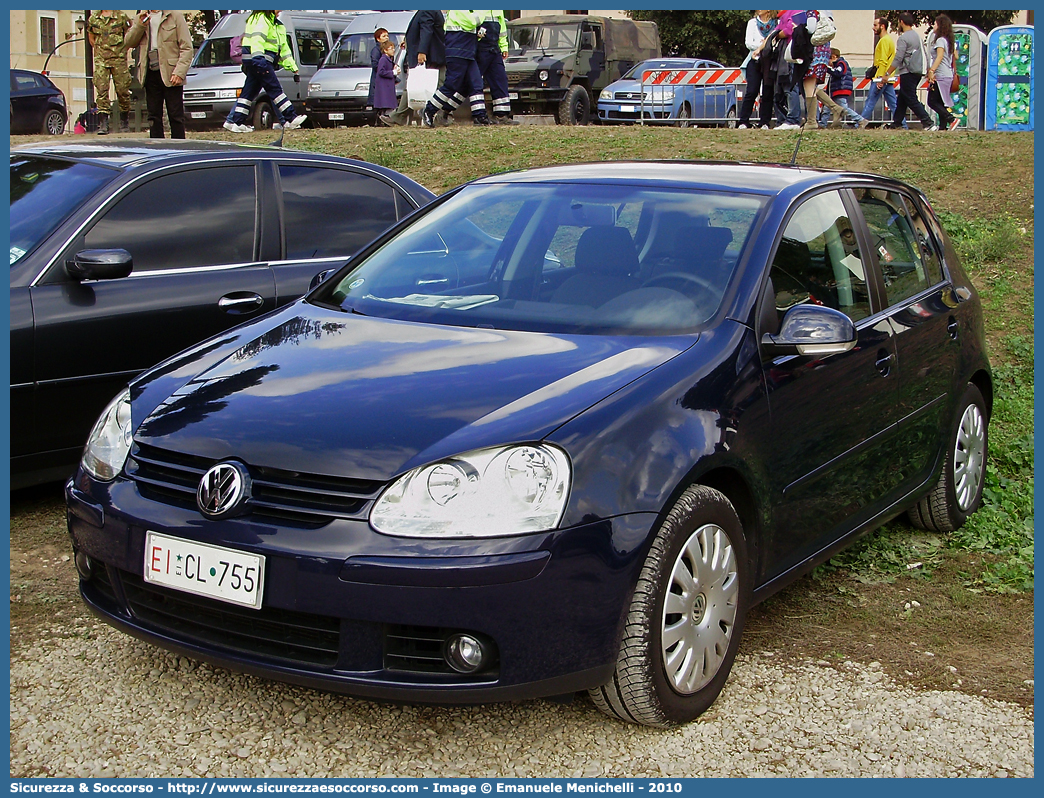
557, 258
216, 53
636, 72
353, 50
43, 193
544, 37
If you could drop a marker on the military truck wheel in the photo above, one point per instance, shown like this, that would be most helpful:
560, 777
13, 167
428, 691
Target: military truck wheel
264, 115
575, 108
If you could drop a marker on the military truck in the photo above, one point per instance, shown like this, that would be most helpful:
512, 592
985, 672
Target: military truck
557, 64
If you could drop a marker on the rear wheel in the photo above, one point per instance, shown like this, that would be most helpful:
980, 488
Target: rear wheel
958, 493
264, 115
575, 107
53, 123
686, 616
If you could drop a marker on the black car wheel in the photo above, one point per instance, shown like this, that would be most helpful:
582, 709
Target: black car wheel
575, 108
264, 115
53, 123
958, 493
686, 616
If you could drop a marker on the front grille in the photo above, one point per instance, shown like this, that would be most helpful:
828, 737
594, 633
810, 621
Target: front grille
629, 95
269, 633
308, 500
337, 105
522, 80
199, 95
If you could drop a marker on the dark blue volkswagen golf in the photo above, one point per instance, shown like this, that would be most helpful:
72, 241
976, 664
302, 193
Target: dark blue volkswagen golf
557, 431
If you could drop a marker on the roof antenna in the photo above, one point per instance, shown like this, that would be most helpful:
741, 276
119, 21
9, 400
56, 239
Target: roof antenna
793, 159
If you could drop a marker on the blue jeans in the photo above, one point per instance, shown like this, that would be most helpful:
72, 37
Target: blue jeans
874, 93
850, 112
796, 93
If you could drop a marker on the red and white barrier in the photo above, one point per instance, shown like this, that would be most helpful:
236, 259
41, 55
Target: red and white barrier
692, 77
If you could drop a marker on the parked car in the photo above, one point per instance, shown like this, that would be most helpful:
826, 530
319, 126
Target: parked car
570, 474
37, 105
558, 63
339, 92
125, 252
628, 100
216, 78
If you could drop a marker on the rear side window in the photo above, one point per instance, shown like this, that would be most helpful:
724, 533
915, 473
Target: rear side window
818, 260
905, 268
311, 46
332, 212
200, 217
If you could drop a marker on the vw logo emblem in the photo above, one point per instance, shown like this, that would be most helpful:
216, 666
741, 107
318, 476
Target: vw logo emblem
223, 490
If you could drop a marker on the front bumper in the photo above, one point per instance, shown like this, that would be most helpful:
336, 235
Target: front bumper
339, 599
633, 112
338, 110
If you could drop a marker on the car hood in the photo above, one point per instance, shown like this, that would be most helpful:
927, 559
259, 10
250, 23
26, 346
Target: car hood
321, 392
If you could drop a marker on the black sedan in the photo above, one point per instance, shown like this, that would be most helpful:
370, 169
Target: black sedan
557, 473
37, 105
125, 252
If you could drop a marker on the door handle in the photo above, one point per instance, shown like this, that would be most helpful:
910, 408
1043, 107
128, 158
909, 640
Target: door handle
240, 302
884, 362
951, 328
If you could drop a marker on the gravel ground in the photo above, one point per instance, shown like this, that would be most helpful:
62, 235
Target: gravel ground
89, 701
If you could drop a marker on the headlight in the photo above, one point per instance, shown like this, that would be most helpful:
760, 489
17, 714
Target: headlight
542, 74
110, 440
228, 94
362, 86
663, 94
315, 87
507, 490
605, 95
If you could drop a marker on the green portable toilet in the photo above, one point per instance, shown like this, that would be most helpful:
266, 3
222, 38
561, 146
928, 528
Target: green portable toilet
971, 63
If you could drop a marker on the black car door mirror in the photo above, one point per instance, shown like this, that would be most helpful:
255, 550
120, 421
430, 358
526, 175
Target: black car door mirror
320, 278
100, 264
811, 330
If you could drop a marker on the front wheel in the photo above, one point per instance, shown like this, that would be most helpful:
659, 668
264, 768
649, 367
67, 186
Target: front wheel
958, 493
730, 118
686, 616
575, 107
684, 116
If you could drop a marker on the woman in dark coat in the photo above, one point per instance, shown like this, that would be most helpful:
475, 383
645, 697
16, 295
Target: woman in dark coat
384, 100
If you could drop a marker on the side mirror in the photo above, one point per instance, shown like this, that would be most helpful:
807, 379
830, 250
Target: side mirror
811, 330
320, 277
100, 264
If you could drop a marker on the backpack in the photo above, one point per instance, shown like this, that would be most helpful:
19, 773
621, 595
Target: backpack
824, 31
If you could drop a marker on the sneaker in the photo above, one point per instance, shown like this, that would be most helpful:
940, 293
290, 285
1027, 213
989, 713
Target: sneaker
741, 126
481, 120
932, 129
277, 126
787, 126
956, 123
428, 117
230, 126
296, 122
237, 128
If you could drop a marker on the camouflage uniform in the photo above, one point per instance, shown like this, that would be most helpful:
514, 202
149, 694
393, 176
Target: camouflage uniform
110, 59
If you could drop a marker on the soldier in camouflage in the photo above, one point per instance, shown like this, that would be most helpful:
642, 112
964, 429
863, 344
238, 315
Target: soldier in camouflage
106, 30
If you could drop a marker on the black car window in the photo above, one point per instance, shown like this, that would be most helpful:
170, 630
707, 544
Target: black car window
200, 217
43, 193
818, 260
892, 235
929, 249
311, 46
332, 212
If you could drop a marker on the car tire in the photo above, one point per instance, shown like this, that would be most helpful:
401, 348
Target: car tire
958, 493
53, 123
575, 107
652, 685
730, 118
684, 116
264, 115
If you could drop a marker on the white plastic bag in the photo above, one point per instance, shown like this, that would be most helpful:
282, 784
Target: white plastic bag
421, 84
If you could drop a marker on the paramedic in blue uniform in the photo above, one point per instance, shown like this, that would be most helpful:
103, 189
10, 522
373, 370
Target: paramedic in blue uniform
264, 45
492, 50
462, 72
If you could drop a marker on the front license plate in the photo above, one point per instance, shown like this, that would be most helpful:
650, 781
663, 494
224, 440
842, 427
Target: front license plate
212, 571
512, 95
336, 117
629, 109
198, 114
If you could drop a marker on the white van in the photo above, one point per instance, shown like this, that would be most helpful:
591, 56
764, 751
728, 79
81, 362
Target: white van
215, 78
339, 93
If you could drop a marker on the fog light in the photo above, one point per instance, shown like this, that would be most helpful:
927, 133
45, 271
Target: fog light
464, 653
84, 566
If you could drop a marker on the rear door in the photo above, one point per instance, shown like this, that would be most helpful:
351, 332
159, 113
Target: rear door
328, 213
193, 235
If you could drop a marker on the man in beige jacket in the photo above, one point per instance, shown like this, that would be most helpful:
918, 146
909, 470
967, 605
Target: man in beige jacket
162, 68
